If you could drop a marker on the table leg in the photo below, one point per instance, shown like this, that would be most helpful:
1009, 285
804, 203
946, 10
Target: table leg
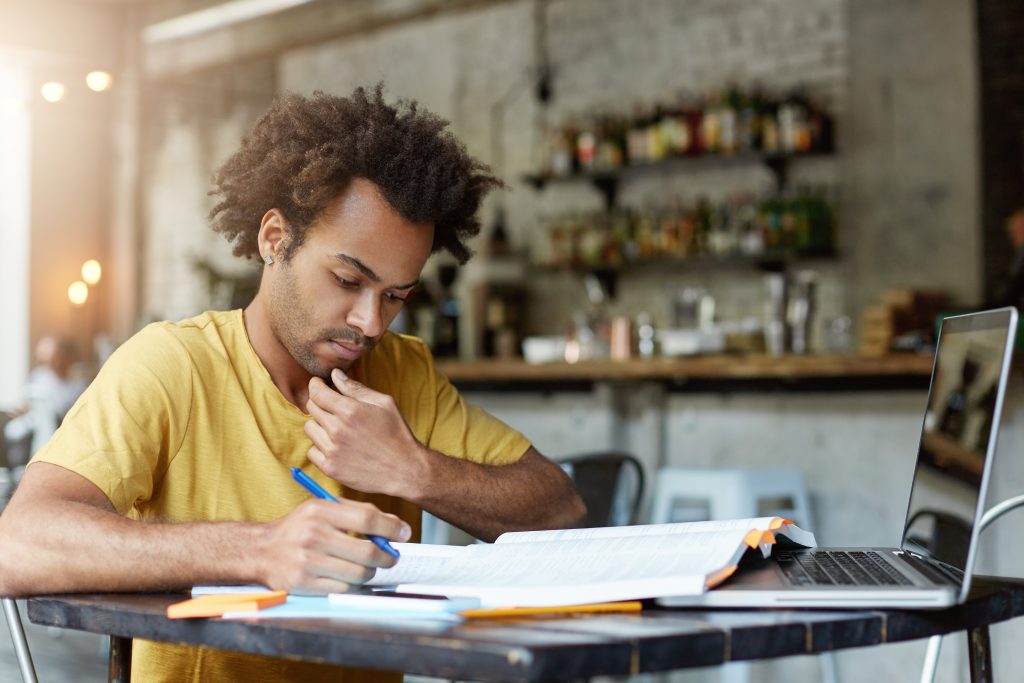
120, 660
979, 654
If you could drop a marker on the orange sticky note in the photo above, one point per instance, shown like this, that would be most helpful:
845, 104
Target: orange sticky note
217, 604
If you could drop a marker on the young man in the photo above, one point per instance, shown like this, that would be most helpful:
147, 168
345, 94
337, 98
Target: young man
173, 468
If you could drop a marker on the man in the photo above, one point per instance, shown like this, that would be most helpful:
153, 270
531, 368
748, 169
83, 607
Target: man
172, 469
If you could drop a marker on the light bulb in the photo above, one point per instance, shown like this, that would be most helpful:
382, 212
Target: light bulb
52, 91
78, 292
91, 271
98, 81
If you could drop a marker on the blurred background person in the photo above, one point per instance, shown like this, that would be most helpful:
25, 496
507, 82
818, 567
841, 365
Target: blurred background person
52, 388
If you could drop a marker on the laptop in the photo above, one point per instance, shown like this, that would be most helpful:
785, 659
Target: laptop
932, 566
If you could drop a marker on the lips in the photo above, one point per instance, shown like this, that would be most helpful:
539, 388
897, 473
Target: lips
346, 350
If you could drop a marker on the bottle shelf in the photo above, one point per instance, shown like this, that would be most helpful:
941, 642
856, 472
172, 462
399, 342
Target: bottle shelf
767, 261
607, 181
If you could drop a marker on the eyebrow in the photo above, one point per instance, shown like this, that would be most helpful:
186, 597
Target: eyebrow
368, 272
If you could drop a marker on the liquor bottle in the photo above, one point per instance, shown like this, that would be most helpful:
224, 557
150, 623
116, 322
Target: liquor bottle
821, 129
446, 320
770, 142
673, 131
636, 136
657, 144
586, 146
691, 117
562, 162
728, 122
610, 144
711, 126
794, 131
750, 126
702, 225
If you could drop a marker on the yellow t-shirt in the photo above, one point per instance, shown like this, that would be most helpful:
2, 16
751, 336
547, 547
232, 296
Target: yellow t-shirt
183, 423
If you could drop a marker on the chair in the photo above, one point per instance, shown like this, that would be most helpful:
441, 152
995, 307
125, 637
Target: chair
21, 651
948, 531
14, 453
611, 485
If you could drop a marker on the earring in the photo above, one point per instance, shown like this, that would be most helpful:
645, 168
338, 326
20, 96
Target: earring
268, 259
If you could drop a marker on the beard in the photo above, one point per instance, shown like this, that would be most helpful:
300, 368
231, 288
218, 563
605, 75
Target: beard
290, 320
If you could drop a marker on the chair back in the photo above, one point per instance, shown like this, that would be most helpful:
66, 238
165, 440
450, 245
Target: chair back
611, 485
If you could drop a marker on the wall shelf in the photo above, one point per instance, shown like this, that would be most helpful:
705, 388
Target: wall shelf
726, 372
608, 181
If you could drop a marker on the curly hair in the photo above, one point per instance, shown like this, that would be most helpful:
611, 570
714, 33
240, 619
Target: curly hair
303, 152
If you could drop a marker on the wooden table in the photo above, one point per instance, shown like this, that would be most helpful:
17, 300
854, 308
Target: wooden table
539, 649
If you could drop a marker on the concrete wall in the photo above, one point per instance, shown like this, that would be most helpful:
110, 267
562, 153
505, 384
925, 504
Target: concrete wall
912, 178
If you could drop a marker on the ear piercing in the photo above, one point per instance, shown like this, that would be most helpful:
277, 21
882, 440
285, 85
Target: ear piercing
268, 259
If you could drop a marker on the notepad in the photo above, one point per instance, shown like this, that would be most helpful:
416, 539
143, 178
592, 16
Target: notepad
216, 605
320, 607
583, 566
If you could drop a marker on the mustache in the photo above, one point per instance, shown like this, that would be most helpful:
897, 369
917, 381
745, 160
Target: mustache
350, 336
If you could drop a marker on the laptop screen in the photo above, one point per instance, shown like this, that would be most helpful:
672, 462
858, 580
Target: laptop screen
972, 360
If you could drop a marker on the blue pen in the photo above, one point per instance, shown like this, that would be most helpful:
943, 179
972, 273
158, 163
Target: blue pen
318, 491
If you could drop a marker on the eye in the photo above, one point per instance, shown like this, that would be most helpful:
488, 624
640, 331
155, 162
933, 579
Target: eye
346, 284
391, 296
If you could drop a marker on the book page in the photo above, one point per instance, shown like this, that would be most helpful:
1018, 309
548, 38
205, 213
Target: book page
761, 523
417, 561
796, 535
571, 564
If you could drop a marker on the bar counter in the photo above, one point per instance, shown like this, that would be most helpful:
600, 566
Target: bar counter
694, 373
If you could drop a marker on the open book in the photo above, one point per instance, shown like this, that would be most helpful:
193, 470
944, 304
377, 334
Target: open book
579, 566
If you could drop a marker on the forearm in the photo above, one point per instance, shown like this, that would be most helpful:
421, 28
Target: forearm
68, 546
487, 500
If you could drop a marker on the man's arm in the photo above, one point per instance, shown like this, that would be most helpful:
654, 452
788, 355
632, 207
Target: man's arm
488, 500
60, 533
361, 440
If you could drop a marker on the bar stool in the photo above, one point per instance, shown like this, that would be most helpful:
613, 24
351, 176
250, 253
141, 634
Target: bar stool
683, 494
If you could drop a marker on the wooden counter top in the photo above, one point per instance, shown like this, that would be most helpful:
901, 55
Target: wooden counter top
911, 369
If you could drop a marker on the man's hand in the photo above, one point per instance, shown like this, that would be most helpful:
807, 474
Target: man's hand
308, 551
57, 514
360, 438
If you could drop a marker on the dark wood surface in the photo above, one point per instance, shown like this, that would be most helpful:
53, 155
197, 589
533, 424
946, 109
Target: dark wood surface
535, 649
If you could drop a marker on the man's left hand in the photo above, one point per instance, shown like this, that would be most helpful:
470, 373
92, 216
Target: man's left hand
360, 438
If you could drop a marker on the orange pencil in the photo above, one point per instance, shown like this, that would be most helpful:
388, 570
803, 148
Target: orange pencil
593, 608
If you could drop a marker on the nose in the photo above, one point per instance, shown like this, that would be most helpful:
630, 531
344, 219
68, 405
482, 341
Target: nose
365, 315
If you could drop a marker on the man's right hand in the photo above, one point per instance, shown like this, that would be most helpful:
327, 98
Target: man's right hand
60, 533
311, 550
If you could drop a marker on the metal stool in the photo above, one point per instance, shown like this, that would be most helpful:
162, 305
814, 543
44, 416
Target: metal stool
684, 494
693, 494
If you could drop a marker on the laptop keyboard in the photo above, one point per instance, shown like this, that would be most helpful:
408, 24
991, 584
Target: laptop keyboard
838, 568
